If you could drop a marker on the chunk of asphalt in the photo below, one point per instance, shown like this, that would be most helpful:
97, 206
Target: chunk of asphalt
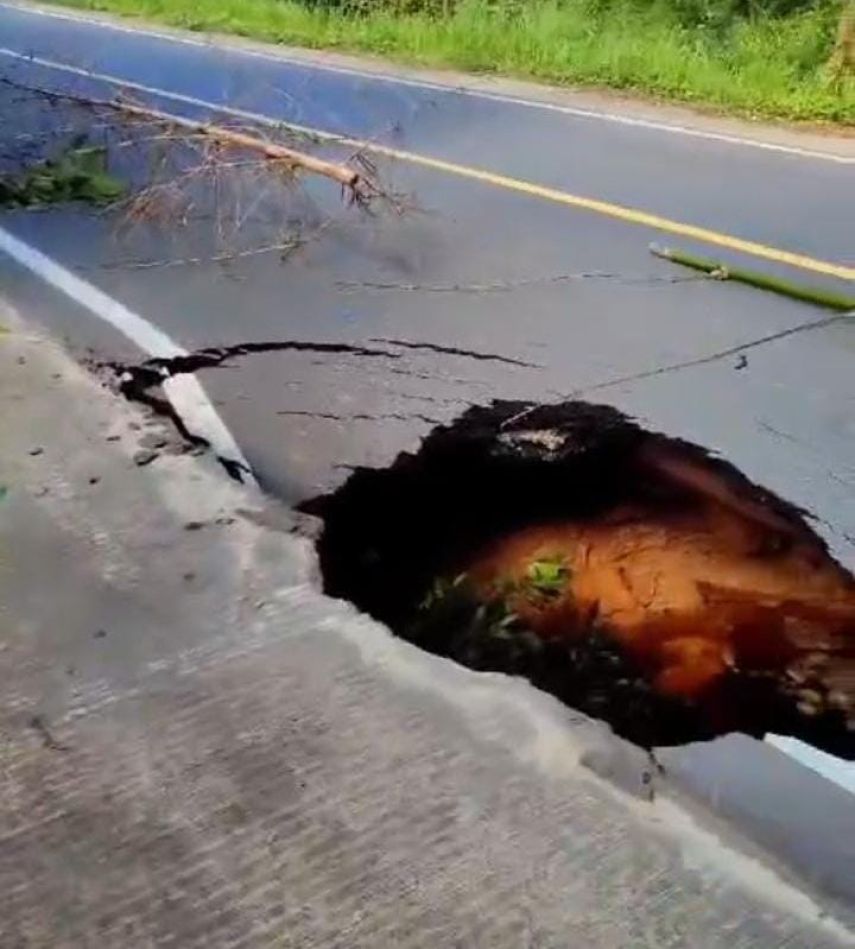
144, 457
153, 441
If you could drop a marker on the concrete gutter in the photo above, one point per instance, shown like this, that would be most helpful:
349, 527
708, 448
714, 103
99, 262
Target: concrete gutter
198, 748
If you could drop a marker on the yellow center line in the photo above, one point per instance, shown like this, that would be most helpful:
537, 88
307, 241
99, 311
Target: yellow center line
606, 208
630, 215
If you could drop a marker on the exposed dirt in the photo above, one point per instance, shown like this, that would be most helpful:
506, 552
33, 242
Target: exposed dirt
633, 575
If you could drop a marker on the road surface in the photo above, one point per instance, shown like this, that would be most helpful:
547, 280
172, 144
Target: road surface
479, 266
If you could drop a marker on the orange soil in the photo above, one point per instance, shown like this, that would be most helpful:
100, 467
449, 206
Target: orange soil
721, 583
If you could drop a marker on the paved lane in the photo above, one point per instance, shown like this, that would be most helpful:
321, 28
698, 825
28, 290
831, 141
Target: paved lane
772, 197
477, 267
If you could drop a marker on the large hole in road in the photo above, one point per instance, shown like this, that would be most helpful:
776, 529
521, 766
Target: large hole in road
634, 576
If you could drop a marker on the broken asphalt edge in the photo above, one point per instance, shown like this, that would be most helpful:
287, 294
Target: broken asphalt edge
140, 521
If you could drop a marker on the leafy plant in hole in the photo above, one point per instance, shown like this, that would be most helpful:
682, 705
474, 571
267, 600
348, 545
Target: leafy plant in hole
546, 578
632, 575
590, 673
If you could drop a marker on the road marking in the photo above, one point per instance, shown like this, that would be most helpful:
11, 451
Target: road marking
615, 118
630, 215
185, 393
835, 769
531, 189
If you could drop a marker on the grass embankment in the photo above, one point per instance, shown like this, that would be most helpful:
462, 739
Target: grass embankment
770, 66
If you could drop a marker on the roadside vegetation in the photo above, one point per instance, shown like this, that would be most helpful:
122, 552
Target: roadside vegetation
790, 59
78, 173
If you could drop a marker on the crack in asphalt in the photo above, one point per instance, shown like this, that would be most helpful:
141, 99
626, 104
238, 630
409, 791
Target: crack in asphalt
435, 377
787, 437
363, 417
155, 370
354, 286
434, 400
691, 363
285, 248
210, 358
805, 447
716, 356
136, 382
454, 351
135, 389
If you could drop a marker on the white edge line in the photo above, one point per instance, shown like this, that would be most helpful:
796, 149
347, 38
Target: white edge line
185, 392
575, 111
832, 768
257, 117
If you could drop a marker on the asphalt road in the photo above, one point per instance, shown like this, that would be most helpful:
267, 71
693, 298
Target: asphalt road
564, 298
479, 267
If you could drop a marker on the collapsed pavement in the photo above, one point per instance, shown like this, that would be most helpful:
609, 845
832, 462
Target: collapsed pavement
634, 576
200, 747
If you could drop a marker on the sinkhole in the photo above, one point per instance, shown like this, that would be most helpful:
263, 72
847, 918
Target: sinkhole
635, 576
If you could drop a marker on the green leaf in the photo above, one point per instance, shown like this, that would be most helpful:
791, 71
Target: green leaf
547, 577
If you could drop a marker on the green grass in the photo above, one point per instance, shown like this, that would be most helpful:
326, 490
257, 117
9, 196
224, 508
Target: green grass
78, 174
769, 67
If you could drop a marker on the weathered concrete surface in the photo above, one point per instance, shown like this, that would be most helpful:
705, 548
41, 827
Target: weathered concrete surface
199, 749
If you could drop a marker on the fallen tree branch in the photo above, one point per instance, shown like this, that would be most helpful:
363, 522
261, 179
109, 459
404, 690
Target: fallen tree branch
345, 176
340, 173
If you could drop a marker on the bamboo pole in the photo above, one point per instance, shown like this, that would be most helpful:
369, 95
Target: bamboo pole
819, 296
